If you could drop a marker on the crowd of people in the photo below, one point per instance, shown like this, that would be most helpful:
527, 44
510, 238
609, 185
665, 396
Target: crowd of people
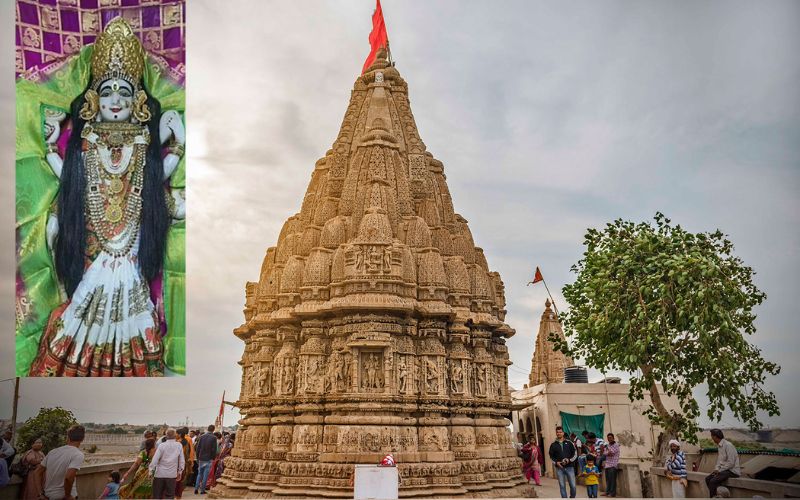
164, 465
590, 457
181, 457
587, 458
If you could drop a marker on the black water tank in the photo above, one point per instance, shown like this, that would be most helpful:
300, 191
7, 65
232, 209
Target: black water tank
576, 375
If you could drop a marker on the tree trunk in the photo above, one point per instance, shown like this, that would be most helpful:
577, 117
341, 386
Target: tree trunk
661, 446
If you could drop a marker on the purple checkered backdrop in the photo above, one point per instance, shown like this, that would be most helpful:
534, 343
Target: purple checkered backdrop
49, 31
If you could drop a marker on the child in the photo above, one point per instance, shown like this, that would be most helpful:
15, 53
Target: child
112, 488
592, 475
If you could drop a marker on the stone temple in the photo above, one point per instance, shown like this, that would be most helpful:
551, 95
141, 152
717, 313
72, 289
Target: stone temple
376, 326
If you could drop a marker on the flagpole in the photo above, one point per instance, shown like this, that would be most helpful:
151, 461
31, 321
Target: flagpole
551, 296
538, 277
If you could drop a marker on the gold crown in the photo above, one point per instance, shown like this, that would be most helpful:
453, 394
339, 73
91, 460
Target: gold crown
118, 53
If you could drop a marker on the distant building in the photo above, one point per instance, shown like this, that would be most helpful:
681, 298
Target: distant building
598, 407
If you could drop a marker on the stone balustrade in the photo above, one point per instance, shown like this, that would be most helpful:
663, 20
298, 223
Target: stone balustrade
92, 479
739, 487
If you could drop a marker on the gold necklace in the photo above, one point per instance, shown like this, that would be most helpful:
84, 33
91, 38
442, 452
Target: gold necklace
106, 192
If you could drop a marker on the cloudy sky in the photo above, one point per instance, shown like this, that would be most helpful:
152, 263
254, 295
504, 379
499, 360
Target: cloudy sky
550, 117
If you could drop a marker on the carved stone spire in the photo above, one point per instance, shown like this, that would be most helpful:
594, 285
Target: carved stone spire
548, 364
376, 326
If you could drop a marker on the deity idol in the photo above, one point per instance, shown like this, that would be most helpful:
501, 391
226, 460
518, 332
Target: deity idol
113, 212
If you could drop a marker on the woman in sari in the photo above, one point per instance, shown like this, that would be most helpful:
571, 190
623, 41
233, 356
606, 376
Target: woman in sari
218, 465
141, 486
530, 462
30, 460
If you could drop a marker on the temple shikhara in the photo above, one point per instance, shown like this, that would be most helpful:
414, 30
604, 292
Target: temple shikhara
376, 326
547, 364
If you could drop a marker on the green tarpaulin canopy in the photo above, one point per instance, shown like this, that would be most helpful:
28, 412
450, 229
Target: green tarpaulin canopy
579, 423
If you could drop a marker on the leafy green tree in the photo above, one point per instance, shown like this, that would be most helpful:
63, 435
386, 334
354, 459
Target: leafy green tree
672, 308
50, 425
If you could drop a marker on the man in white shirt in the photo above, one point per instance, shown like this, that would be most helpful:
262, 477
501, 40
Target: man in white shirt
167, 466
727, 465
61, 465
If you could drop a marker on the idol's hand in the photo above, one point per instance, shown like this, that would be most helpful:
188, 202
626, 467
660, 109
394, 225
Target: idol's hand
172, 126
52, 125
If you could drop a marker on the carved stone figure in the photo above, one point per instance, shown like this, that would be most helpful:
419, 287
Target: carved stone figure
265, 379
480, 378
432, 375
288, 375
456, 377
402, 375
347, 371
371, 378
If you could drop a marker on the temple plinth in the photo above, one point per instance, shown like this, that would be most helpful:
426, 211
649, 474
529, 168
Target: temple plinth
376, 326
547, 364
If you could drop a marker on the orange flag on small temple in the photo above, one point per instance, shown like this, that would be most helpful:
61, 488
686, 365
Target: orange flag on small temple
377, 38
538, 276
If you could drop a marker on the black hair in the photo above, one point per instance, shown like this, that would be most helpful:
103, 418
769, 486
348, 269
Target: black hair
592, 435
71, 243
558, 427
584, 433
590, 458
717, 433
76, 433
115, 476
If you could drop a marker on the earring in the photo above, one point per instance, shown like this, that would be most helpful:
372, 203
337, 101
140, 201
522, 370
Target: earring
91, 106
140, 109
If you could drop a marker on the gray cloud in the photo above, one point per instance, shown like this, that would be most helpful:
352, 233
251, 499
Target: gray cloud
549, 118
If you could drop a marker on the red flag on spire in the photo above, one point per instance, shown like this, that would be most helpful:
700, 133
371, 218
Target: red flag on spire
377, 38
537, 277
218, 423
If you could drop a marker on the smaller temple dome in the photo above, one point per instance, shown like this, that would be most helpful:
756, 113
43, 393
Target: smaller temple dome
334, 233
375, 227
292, 275
417, 233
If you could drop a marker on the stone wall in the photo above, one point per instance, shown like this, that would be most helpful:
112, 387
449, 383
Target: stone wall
739, 487
92, 479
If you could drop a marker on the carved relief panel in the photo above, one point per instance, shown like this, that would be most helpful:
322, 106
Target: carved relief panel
482, 374
433, 439
285, 379
280, 437
307, 438
337, 372
457, 376
264, 379
371, 371
310, 373
405, 380
371, 259
434, 366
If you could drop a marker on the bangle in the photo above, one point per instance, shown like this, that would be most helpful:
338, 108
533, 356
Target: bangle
51, 147
177, 149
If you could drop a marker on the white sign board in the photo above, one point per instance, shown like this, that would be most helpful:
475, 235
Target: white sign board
375, 483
